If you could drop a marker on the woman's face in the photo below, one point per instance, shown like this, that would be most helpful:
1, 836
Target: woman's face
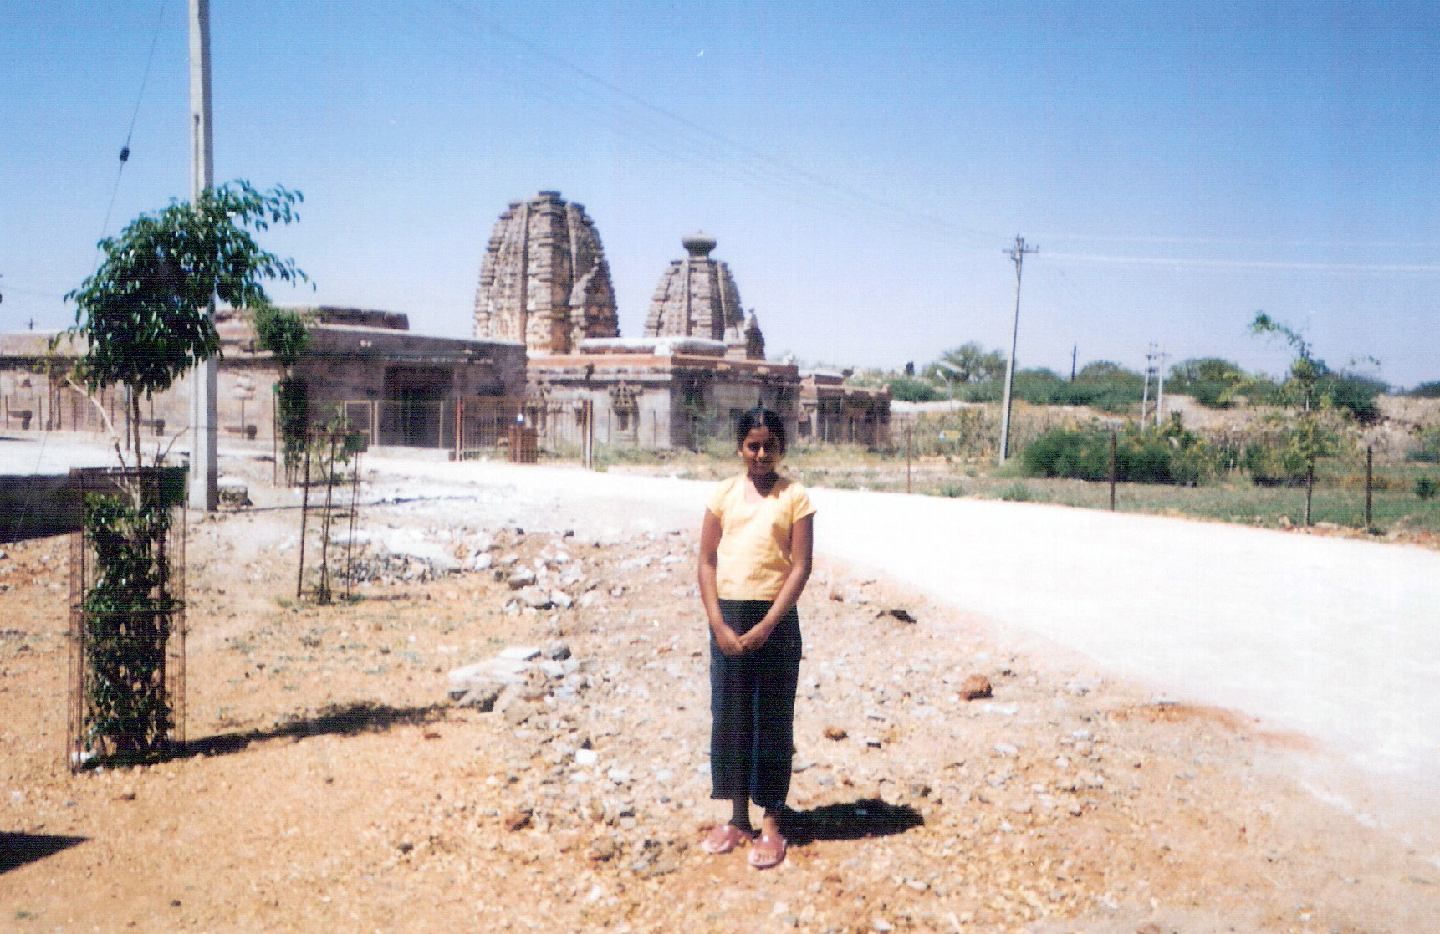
761, 451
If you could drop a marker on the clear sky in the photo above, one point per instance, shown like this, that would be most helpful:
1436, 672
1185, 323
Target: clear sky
863, 165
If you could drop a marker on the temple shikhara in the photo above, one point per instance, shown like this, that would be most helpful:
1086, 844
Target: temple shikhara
546, 350
700, 362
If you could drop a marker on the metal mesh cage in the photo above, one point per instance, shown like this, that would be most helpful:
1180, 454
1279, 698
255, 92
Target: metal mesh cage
127, 615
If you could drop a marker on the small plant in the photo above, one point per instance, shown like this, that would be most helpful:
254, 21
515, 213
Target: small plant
1017, 493
1426, 487
127, 616
951, 490
144, 317
286, 335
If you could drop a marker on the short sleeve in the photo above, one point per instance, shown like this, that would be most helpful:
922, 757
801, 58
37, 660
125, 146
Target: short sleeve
716, 501
800, 505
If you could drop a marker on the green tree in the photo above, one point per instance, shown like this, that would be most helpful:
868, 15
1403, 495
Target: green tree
286, 335
1210, 381
144, 313
968, 363
144, 319
1313, 434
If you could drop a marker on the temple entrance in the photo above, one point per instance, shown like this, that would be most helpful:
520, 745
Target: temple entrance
412, 414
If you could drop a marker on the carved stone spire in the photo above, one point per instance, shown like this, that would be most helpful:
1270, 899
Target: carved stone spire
544, 280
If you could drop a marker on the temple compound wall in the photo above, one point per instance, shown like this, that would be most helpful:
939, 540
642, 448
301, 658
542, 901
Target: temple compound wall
397, 387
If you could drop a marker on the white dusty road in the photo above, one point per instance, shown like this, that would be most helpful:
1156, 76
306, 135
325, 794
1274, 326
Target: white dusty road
1333, 638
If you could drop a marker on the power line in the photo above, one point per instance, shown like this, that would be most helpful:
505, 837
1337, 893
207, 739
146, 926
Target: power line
682, 139
130, 131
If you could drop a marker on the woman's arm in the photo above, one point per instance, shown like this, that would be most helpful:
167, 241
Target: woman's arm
802, 552
725, 637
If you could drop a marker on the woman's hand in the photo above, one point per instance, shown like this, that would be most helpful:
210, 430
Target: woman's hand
756, 637
729, 643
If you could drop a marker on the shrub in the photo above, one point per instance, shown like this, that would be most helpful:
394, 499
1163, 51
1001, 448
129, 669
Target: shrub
910, 389
1426, 487
1273, 464
1430, 390
1357, 395
1017, 493
1427, 446
1169, 456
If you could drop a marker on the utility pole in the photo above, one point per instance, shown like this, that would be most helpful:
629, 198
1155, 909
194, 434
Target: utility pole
204, 409
1160, 388
1074, 353
1145, 393
1017, 254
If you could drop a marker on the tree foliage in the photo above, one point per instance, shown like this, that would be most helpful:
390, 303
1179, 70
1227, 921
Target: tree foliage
1212, 382
968, 363
282, 332
286, 334
143, 314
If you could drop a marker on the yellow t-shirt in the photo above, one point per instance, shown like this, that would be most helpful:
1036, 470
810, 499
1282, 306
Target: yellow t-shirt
754, 553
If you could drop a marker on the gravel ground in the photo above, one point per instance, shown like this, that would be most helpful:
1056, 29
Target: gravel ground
335, 784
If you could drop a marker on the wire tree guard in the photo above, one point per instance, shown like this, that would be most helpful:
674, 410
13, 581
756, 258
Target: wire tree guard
127, 615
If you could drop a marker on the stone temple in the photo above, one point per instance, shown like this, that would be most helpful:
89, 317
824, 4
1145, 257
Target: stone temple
697, 297
544, 281
700, 363
547, 344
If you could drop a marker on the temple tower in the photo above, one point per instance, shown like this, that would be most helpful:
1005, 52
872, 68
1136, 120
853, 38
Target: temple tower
544, 280
697, 297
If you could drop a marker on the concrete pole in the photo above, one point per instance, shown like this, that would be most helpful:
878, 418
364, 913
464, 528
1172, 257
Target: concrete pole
1160, 390
204, 409
1018, 255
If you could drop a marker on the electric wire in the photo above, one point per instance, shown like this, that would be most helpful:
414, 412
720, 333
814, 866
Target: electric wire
105, 225
661, 131
130, 131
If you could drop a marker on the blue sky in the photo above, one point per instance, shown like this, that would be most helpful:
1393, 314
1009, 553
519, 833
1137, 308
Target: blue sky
863, 164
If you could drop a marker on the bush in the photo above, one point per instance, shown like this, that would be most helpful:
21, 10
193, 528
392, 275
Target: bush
1430, 390
1357, 395
1427, 450
1169, 456
1017, 493
1273, 464
910, 389
1426, 487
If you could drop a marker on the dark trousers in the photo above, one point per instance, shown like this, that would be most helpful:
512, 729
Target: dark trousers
752, 708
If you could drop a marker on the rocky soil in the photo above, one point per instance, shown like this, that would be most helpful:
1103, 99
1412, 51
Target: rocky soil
336, 779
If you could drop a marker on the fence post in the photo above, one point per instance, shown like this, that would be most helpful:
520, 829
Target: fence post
1369, 465
907, 458
304, 512
1112, 471
459, 408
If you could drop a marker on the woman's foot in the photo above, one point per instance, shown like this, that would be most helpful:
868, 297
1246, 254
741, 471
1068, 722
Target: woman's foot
724, 838
768, 851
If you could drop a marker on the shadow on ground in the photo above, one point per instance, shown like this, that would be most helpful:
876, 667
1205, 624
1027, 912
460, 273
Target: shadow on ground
338, 720
17, 849
854, 820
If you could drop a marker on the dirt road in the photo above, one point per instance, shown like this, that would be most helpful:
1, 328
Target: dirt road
1332, 638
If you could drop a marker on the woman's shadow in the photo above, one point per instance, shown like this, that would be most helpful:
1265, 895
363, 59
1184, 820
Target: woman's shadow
853, 820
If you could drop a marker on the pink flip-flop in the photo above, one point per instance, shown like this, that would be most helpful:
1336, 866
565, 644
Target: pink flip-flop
723, 839
768, 851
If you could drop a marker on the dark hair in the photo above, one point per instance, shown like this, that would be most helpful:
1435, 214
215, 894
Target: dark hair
759, 417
